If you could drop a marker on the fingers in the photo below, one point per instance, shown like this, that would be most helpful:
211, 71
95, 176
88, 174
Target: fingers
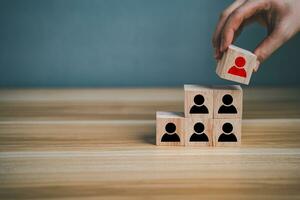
223, 17
221, 22
236, 19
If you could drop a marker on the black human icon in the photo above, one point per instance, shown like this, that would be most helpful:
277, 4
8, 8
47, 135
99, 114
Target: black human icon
199, 136
170, 135
227, 136
199, 107
227, 107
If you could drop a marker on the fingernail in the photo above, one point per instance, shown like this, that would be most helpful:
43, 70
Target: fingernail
216, 53
222, 46
256, 66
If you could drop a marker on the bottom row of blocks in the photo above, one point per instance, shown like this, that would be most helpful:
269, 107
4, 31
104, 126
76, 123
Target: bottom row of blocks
172, 129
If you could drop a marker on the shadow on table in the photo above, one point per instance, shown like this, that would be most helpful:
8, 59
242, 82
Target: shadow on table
148, 138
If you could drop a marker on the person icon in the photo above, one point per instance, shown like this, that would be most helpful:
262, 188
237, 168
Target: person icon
238, 68
199, 136
199, 107
227, 107
170, 135
227, 136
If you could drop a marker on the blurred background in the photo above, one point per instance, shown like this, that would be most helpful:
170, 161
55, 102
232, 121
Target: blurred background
121, 43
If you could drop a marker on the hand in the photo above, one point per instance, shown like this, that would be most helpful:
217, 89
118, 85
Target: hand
280, 17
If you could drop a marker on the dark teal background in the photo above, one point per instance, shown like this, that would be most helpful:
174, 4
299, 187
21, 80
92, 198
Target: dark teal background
82, 43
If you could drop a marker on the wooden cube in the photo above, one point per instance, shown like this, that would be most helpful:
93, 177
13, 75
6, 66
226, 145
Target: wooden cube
198, 101
227, 132
198, 132
169, 129
236, 65
228, 101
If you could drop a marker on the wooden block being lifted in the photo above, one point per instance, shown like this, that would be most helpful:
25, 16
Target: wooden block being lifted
198, 132
227, 132
198, 101
236, 65
228, 101
169, 129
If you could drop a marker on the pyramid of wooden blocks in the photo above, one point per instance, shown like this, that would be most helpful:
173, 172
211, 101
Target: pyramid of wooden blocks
212, 117
236, 65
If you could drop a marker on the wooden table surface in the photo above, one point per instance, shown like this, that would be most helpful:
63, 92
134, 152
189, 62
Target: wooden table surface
99, 144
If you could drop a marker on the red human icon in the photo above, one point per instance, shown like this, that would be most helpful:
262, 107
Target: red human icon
238, 68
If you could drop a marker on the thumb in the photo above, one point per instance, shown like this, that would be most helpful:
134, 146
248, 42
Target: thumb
270, 44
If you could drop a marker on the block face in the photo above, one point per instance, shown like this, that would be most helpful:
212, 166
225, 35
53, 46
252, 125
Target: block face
198, 101
169, 129
236, 65
198, 132
228, 101
227, 132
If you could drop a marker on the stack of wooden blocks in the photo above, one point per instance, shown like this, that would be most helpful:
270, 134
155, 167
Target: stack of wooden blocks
212, 117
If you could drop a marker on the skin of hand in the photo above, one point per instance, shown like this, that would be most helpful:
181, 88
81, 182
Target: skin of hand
280, 17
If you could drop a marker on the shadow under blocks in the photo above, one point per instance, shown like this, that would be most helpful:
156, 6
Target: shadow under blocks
212, 117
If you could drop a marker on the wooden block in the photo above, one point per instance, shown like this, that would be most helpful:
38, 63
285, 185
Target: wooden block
236, 65
227, 132
169, 129
198, 132
198, 101
228, 101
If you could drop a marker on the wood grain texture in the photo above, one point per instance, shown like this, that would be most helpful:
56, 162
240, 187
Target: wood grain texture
73, 144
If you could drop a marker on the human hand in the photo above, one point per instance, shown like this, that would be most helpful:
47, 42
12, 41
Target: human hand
280, 17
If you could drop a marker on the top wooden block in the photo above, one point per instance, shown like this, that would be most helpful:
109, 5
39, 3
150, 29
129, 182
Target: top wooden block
198, 101
236, 65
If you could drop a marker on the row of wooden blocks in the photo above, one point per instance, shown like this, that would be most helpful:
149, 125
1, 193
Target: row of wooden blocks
212, 117
213, 101
173, 129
